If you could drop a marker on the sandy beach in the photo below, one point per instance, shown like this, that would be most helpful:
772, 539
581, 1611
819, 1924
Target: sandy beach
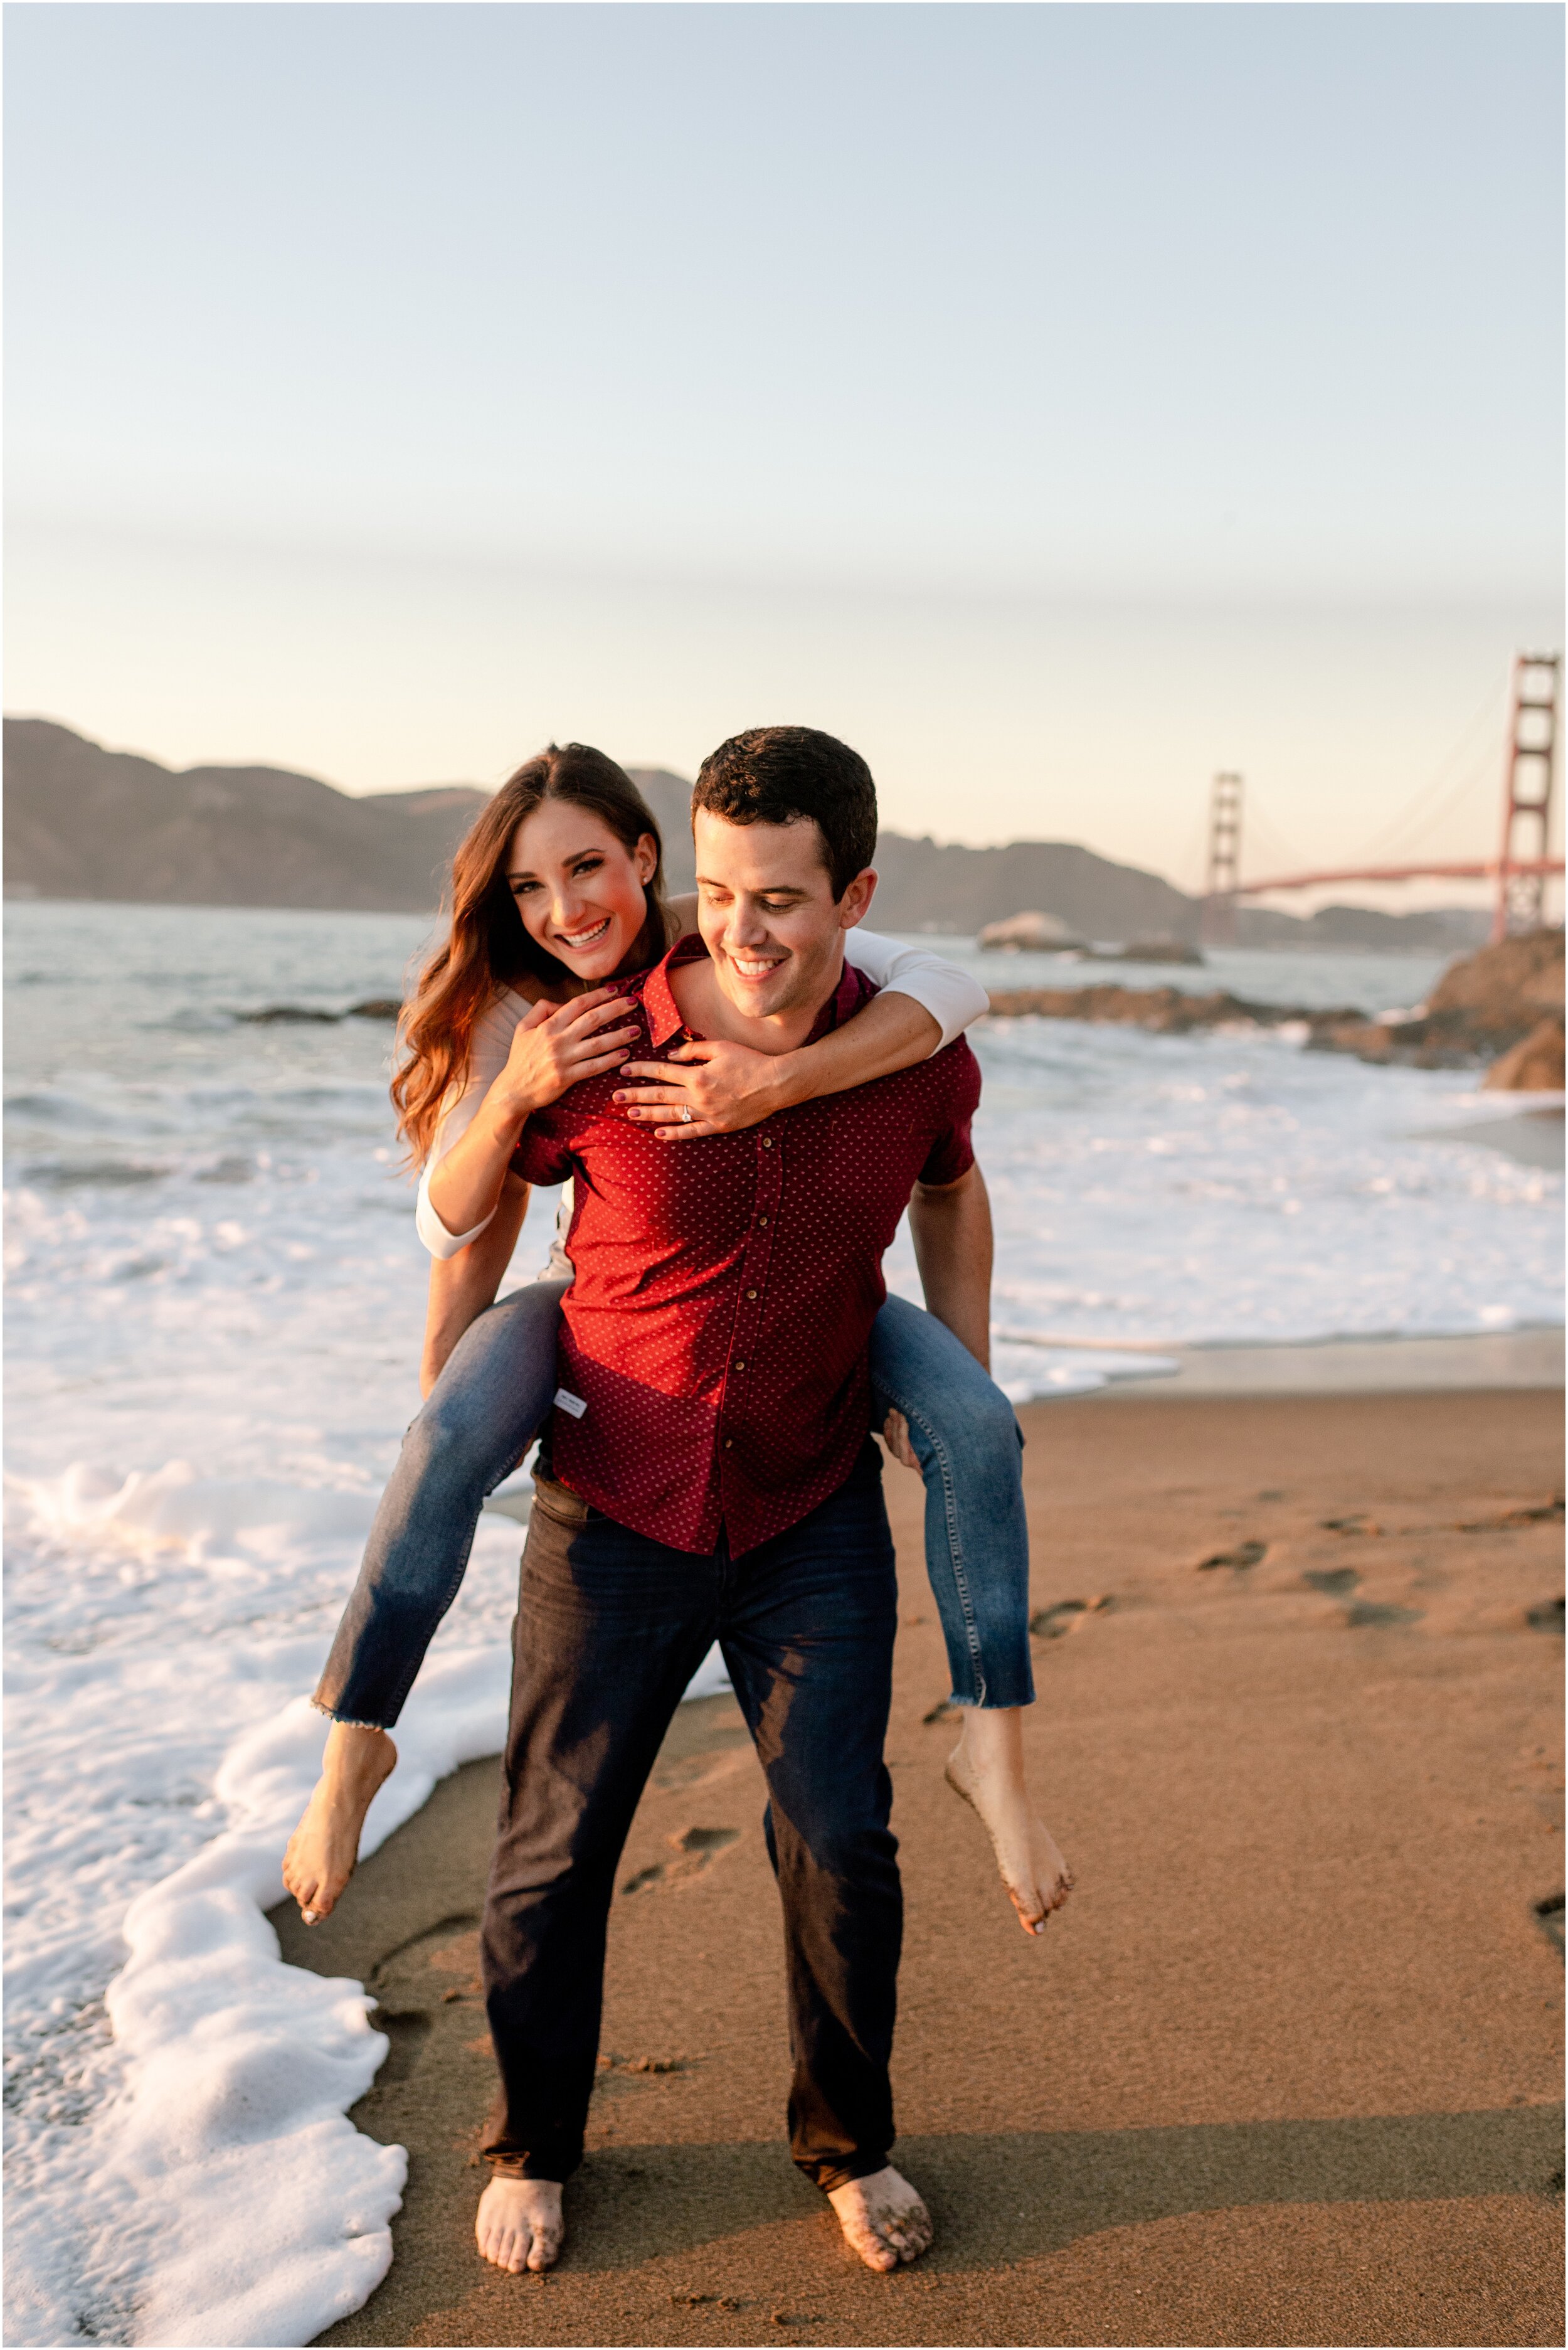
1285, 2070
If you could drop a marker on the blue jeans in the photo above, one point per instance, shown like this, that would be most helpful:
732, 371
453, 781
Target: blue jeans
611, 1626
489, 1403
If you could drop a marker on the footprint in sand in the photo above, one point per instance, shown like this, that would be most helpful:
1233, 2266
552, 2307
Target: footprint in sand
1339, 1582
1547, 1617
1247, 1553
695, 1848
1363, 1613
1066, 1615
1549, 1917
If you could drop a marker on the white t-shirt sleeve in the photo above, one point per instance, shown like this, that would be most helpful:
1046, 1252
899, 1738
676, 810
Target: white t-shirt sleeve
952, 995
492, 1037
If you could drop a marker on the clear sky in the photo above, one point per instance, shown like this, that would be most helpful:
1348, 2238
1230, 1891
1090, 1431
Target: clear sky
1058, 402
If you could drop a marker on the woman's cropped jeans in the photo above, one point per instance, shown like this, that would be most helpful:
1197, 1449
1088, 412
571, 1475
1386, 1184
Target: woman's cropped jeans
488, 1405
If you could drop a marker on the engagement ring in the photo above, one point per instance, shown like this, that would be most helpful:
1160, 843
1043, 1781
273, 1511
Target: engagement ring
686, 1113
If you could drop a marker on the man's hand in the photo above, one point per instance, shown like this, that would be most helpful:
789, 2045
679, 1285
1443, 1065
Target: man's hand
725, 1086
895, 1437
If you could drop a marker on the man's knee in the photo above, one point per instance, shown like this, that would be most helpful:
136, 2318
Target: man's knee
851, 1845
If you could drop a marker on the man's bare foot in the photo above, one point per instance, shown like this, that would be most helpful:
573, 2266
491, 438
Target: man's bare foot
883, 2219
519, 2225
324, 1847
986, 1768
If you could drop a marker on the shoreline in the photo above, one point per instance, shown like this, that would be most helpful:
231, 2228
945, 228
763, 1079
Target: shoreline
1482, 1363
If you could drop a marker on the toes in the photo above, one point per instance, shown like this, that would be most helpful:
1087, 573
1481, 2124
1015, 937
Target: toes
911, 2232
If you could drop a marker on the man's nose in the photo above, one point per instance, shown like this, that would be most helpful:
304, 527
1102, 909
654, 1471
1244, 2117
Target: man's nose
746, 926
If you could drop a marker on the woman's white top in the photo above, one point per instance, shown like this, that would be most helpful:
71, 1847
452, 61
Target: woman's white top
952, 997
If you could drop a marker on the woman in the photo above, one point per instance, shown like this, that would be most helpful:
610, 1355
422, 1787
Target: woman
557, 888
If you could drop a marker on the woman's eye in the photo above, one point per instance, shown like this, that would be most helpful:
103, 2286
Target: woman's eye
590, 865
523, 888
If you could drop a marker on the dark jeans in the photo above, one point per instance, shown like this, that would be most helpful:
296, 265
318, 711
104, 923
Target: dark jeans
610, 1628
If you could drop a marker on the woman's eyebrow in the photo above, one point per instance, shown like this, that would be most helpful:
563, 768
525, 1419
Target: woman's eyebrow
526, 872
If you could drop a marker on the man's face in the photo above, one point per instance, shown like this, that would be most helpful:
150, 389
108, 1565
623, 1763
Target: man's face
767, 913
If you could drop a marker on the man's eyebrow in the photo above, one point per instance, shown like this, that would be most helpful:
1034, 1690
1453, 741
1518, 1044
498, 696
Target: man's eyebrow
766, 889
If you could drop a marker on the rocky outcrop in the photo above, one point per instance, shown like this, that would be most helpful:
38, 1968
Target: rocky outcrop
1165, 1011
1532, 1066
1489, 1004
1483, 1006
1159, 950
1034, 933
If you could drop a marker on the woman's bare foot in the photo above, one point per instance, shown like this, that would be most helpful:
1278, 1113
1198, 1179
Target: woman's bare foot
986, 1768
324, 1847
883, 2219
519, 2225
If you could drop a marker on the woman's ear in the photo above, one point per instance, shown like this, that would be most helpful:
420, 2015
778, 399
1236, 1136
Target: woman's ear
644, 859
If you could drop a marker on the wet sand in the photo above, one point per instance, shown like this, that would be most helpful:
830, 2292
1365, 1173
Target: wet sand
1285, 2071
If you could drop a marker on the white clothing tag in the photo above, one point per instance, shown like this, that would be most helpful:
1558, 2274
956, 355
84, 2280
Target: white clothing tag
574, 1404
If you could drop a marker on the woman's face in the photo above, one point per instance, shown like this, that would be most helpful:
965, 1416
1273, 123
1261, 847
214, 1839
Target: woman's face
582, 895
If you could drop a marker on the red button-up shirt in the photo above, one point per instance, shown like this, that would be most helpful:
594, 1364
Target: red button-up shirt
716, 1333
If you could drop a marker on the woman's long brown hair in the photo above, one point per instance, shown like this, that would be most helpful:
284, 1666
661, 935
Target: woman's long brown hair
487, 947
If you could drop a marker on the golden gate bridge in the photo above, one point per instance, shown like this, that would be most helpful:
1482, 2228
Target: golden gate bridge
1519, 871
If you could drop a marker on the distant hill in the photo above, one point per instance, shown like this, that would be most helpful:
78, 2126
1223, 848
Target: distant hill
84, 822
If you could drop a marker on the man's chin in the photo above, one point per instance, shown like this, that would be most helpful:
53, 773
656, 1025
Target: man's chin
760, 998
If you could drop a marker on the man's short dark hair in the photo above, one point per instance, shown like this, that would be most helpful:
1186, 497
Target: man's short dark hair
777, 775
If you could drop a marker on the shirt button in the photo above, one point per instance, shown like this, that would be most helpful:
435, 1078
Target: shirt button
750, 1292
740, 1366
767, 1142
762, 1220
729, 1440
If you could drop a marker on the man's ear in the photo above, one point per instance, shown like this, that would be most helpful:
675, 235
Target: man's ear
857, 899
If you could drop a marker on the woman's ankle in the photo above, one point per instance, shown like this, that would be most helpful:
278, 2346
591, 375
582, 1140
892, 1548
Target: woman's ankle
355, 1750
993, 1739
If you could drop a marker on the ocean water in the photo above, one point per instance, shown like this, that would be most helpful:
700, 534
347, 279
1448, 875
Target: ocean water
215, 1302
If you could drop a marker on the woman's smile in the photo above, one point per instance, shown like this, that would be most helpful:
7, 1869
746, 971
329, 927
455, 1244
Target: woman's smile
577, 942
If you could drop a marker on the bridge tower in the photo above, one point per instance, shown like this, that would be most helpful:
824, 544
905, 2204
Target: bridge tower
1224, 874
1528, 768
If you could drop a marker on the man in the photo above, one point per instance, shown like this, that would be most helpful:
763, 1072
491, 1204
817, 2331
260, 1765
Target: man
707, 1473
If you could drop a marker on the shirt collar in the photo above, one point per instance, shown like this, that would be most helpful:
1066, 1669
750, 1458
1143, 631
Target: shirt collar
664, 1014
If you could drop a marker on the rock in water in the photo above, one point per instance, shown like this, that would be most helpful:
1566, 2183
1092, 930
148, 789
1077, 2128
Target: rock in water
1170, 950
1534, 1065
1034, 933
1487, 1003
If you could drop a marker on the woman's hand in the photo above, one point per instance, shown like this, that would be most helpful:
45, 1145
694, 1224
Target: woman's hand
558, 1044
725, 1087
